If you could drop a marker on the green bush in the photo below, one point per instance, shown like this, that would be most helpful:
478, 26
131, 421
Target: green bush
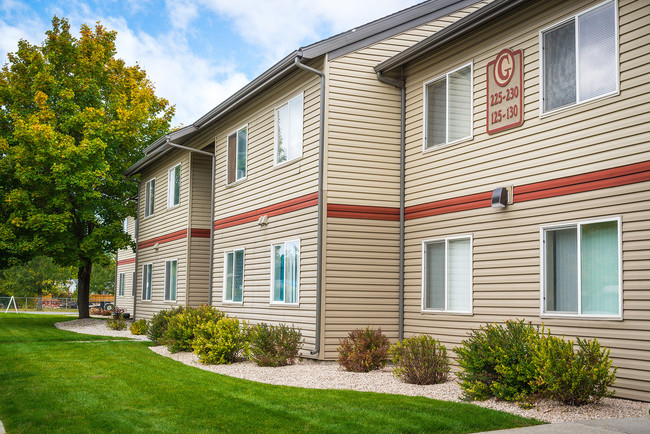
573, 377
420, 360
497, 360
139, 327
219, 342
180, 330
271, 345
116, 322
364, 350
159, 322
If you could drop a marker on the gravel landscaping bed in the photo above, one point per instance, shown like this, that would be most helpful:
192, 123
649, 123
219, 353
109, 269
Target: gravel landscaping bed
331, 376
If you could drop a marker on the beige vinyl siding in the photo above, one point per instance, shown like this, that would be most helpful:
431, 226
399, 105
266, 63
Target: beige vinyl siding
601, 134
256, 241
201, 190
126, 301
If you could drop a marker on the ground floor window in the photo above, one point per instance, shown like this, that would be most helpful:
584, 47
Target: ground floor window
171, 274
234, 276
447, 275
581, 266
133, 284
285, 272
147, 274
120, 287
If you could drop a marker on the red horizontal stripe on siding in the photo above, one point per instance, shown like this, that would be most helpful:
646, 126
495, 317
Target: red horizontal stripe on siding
363, 212
126, 261
271, 210
163, 239
200, 233
462, 203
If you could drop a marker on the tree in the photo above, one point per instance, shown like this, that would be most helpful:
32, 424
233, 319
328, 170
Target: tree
73, 118
35, 278
103, 278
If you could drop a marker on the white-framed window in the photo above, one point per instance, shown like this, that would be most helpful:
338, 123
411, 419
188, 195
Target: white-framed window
237, 148
580, 58
120, 290
174, 186
134, 283
581, 269
285, 272
125, 226
147, 275
149, 197
233, 279
288, 130
171, 279
448, 107
447, 275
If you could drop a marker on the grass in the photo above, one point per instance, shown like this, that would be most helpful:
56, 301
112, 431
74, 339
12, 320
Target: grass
52, 382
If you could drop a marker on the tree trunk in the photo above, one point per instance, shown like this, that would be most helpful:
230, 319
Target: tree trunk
83, 288
39, 300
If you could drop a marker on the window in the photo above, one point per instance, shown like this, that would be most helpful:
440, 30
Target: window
580, 58
288, 130
133, 284
149, 197
581, 266
174, 186
237, 155
147, 271
171, 272
234, 276
447, 275
448, 102
285, 272
120, 290
125, 226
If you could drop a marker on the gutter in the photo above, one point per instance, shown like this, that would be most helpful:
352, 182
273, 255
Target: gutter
211, 155
321, 199
401, 85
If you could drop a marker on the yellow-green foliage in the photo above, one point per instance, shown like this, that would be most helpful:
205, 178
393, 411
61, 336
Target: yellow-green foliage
219, 342
139, 327
181, 328
420, 360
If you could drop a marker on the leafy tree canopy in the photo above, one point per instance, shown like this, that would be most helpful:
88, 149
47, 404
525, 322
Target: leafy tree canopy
72, 119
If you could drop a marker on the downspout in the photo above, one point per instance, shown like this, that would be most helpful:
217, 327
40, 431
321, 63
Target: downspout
211, 259
136, 229
401, 84
321, 199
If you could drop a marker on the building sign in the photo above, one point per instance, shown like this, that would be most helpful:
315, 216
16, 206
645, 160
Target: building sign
505, 92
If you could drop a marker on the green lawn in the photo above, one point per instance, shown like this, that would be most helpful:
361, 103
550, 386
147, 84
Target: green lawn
52, 381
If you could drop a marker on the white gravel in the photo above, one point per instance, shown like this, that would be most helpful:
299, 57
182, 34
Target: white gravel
331, 376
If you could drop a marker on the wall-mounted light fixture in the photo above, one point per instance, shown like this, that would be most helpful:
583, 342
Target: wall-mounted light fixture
263, 221
501, 197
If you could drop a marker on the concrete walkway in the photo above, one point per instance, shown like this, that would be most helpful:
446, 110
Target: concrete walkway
2, 428
610, 426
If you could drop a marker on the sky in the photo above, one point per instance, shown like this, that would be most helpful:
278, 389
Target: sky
197, 53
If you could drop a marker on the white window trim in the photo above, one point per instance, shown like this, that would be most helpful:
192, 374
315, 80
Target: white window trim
471, 275
275, 131
237, 181
146, 189
425, 108
121, 284
170, 186
144, 282
284, 303
170, 300
542, 272
225, 261
616, 92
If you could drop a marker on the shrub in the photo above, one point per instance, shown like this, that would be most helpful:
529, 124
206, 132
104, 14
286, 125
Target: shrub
139, 327
116, 322
420, 360
573, 377
180, 329
159, 322
219, 342
364, 350
271, 345
497, 360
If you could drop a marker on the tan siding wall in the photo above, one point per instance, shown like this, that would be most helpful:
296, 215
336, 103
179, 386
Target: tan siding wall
198, 279
126, 301
602, 134
201, 179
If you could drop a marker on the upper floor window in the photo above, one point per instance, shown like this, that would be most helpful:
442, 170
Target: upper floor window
288, 130
581, 266
174, 186
285, 272
237, 143
448, 108
447, 275
149, 197
580, 58
234, 276
125, 226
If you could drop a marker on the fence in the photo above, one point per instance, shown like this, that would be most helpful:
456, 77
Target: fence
53, 304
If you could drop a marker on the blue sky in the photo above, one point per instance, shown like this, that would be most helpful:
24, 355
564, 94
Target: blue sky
196, 52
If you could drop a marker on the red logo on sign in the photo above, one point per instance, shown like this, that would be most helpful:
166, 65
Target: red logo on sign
504, 68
